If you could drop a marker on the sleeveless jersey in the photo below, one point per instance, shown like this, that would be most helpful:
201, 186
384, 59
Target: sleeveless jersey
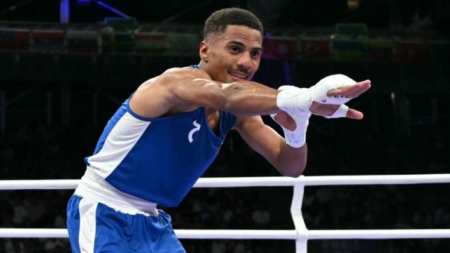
157, 159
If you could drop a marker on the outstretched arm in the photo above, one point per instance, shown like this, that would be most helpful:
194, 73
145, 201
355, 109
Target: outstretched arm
185, 89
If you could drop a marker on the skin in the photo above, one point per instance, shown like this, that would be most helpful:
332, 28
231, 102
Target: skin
228, 61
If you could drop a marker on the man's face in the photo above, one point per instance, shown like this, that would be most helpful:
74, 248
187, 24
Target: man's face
232, 56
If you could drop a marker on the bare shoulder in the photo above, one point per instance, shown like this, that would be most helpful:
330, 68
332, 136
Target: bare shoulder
158, 96
174, 80
175, 75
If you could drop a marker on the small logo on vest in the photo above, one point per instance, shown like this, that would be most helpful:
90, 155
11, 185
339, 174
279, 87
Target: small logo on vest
191, 133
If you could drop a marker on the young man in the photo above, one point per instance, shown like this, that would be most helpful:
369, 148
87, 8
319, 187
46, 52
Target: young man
164, 137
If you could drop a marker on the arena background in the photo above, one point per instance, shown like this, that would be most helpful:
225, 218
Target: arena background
63, 74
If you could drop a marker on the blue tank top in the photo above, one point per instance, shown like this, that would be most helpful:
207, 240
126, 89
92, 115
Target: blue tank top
157, 159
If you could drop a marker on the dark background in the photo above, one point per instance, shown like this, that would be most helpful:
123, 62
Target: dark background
405, 129
301, 13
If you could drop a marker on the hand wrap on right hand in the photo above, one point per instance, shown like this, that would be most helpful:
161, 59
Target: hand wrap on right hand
319, 90
297, 101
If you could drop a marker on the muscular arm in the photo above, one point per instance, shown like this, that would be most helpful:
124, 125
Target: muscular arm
263, 139
184, 89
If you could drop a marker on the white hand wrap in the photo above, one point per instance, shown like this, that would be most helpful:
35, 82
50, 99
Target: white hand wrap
333, 82
288, 100
296, 101
341, 112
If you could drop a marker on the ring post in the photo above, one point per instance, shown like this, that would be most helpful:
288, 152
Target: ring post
301, 242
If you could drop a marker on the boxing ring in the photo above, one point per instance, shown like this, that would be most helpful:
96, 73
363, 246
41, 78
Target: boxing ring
300, 234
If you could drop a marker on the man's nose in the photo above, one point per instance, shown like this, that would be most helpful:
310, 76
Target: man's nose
245, 61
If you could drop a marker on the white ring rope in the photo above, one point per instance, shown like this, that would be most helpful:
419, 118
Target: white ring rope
250, 181
301, 234
254, 234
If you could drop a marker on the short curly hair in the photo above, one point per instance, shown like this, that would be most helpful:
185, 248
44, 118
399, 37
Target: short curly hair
219, 20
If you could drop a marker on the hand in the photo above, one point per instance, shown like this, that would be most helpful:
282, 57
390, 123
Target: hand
350, 92
285, 120
327, 98
294, 127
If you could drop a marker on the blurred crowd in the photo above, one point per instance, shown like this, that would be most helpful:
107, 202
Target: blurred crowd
38, 151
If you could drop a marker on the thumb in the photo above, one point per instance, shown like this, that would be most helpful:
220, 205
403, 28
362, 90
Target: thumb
354, 114
285, 120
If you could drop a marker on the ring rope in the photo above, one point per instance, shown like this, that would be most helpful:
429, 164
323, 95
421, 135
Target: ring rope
255, 234
301, 234
66, 184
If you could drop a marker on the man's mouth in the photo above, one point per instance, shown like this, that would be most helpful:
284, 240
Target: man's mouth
239, 75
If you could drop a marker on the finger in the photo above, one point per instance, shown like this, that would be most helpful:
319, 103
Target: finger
351, 91
354, 91
336, 92
343, 91
340, 112
354, 114
323, 109
359, 89
366, 82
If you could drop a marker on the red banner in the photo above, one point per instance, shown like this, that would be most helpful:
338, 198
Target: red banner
48, 41
14, 40
82, 42
411, 51
280, 48
151, 43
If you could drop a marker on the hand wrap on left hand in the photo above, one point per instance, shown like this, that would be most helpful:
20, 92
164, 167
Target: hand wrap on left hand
297, 137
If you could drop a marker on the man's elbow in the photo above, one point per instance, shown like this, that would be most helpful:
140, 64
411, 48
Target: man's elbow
293, 172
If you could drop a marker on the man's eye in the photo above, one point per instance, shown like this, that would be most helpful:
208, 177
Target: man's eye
234, 49
256, 53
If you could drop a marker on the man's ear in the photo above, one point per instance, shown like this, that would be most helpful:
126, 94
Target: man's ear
203, 51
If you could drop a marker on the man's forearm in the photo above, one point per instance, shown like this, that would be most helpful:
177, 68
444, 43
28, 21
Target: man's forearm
292, 161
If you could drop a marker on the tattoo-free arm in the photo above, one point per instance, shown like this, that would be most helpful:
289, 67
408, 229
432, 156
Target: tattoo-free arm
266, 141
